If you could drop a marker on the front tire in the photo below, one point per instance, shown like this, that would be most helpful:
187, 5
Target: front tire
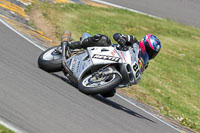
50, 60
90, 87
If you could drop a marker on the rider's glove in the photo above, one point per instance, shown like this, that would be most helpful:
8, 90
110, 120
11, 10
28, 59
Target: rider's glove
120, 39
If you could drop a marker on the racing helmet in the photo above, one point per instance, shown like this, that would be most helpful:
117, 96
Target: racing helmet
151, 44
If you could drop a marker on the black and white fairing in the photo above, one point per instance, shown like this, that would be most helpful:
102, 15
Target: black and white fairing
95, 56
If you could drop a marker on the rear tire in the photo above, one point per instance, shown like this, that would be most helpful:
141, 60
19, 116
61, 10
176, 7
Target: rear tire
50, 61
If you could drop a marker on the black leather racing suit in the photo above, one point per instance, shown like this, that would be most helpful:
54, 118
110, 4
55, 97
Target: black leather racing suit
103, 40
123, 43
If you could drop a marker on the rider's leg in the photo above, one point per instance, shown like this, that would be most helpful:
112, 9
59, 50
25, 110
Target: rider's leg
96, 40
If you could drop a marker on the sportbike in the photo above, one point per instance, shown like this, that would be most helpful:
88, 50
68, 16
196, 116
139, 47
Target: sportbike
95, 70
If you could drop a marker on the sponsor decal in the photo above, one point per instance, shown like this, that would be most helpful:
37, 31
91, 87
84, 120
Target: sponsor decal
73, 64
106, 57
113, 52
83, 66
68, 63
132, 58
141, 64
78, 66
123, 56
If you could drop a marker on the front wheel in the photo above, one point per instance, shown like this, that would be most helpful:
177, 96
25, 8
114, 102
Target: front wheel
51, 60
95, 84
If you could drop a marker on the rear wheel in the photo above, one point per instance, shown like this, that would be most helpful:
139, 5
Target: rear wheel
99, 84
51, 60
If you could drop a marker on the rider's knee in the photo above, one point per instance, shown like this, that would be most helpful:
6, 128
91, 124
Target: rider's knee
96, 40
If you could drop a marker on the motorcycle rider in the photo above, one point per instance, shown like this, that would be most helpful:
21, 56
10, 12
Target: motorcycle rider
149, 47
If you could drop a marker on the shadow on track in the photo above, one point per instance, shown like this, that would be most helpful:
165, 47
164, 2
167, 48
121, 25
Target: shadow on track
64, 79
120, 107
107, 101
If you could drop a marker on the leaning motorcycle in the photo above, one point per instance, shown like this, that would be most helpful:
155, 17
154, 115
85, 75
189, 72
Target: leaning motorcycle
95, 70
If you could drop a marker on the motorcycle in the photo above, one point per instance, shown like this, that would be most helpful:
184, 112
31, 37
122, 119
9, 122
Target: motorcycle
95, 70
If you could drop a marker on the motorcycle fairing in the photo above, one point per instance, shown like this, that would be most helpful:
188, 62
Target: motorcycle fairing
78, 64
104, 55
94, 56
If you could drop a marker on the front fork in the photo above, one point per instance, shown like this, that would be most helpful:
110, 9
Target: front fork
106, 70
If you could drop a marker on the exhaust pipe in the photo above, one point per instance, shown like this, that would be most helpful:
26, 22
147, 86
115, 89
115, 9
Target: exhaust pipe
66, 38
70, 75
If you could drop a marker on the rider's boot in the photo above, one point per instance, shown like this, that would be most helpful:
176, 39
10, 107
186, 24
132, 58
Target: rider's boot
88, 42
82, 44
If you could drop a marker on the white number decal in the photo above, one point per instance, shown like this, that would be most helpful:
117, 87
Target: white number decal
136, 69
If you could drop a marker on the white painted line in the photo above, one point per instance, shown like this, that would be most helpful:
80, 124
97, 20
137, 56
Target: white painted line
3, 122
42, 48
149, 113
122, 7
10, 126
118, 6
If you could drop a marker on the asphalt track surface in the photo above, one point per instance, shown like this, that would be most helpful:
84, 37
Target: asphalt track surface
35, 101
183, 11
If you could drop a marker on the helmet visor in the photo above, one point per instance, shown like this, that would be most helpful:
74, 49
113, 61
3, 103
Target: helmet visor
152, 53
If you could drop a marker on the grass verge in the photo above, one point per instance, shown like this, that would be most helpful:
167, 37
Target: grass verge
171, 83
5, 130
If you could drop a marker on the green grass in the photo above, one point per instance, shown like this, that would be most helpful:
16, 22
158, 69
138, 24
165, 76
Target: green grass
171, 83
5, 130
